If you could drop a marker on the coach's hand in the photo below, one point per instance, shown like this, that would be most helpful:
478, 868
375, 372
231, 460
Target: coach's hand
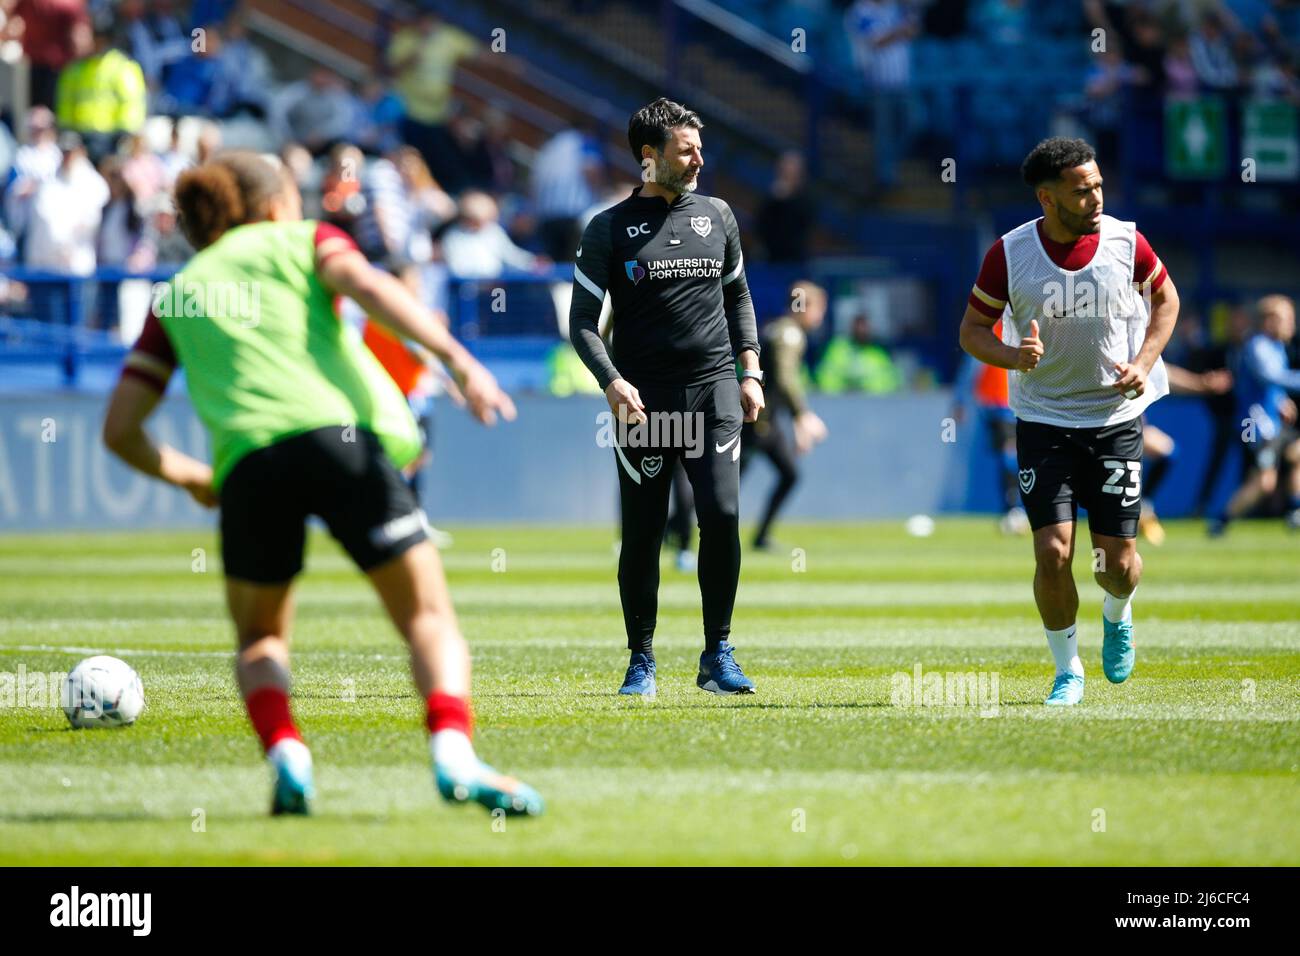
1031, 349
483, 395
1132, 379
625, 402
751, 398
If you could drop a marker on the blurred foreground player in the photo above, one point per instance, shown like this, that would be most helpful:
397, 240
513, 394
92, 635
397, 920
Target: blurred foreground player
1085, 356
303, 420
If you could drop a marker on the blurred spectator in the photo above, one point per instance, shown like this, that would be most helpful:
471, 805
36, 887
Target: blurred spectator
423, 58
880, 33
246, 70
121, 231
174, 160
567, 176
306, 176
53, 33
1002, 22
8, 152
477, 247
35, 161
208, 143
1180, 72
379, 115
1212, 55
164, 243
66, 213
1142, 44
497, 142
1275, 79
854, 363
213, 11
154, 37
468, 159
143, 172
201, 82
38, 156
317, 112
101, 96
787, 214
386, 224
1107, 77
432, 203
340, 188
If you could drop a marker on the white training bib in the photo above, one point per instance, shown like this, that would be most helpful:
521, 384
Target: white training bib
1089, 320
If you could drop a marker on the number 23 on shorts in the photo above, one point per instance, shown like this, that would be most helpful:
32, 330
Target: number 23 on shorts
1119, 470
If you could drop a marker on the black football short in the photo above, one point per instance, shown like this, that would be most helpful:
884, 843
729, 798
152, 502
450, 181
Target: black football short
340, 475
1099, 468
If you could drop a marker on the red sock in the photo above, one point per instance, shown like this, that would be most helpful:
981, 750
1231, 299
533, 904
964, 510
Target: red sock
268, 709
449, 712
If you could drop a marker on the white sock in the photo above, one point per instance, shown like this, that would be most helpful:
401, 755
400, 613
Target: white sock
453, 752
1065, 650
291, 753
1118, 609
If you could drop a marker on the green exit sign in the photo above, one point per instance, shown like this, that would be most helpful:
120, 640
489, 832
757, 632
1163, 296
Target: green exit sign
1196, 138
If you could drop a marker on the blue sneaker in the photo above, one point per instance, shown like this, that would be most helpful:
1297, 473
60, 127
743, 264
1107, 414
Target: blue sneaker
1067, 690
640, 676
720, 674
294, 788
1116, 650
491, 789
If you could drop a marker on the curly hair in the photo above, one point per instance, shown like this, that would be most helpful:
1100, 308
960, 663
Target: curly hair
1046, 161
227, 191
651, 124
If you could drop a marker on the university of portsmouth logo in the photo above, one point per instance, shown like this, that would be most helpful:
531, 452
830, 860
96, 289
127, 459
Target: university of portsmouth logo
634, 271
702, 225
651, 464
1027, 479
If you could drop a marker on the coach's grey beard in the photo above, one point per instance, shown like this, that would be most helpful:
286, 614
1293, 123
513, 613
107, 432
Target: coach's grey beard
678, 184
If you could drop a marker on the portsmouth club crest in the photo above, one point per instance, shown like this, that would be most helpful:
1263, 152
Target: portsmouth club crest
702, 225
651, 464
1027, 479
634, 270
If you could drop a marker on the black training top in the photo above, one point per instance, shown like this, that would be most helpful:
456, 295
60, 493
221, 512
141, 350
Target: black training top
676, 279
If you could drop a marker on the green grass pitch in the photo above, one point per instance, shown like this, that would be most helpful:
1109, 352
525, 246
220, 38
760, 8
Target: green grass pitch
1194, 761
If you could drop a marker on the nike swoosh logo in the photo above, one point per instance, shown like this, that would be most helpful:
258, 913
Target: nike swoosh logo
721, 448
1127, 502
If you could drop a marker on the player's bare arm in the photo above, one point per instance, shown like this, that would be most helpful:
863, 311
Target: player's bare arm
1164, 315
130, 405
384, 298
977, 338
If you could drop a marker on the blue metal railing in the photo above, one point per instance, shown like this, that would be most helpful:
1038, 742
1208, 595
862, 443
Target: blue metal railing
67, 318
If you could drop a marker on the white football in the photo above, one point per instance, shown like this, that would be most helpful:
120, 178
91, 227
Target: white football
102, 692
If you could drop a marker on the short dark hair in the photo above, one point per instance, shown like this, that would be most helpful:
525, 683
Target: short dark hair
650, 125
1046, 160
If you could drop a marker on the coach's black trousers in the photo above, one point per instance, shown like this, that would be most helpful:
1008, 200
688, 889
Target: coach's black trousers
700, 426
